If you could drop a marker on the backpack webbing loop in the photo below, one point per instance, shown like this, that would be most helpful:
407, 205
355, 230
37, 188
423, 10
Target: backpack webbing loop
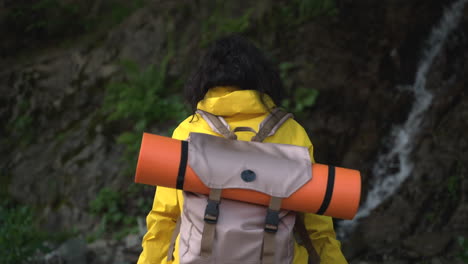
209, 227
267, 127
244, 129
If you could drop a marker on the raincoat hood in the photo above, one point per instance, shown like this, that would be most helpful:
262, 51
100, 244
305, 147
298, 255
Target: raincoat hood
229, 101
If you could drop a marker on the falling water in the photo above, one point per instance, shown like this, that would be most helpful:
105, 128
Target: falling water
402, 137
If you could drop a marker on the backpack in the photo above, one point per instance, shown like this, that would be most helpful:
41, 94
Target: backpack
215, 230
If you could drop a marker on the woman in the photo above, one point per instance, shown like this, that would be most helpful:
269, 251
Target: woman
234, 80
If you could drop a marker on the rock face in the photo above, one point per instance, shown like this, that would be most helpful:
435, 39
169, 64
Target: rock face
57, 152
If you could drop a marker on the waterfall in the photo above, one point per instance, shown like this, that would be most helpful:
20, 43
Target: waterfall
393, 167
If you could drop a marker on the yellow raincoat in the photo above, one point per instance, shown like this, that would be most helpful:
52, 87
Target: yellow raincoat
239, 108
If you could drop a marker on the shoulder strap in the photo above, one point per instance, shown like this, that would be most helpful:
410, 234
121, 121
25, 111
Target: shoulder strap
305, 241
267, 127
270, 125
175, 233
217, 124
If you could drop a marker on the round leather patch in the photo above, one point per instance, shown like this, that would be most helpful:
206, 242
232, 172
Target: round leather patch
248, 176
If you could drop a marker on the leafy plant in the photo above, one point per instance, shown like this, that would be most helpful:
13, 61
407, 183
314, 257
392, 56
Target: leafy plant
109, 207
142, 99
454, 180
20, 239
118, 11
44, 20
463, 243
282, 16
310, 9
46, 17
19, 125
219, 23
117, 211
301, 97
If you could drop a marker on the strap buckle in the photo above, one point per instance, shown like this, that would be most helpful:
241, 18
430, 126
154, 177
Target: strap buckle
271, 221
211, 212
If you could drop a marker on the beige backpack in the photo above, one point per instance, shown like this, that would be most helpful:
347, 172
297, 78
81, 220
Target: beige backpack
222, 231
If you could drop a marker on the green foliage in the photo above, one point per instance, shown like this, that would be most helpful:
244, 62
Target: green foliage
5, 180
452, 186
463, 243
109, 207
117, 211
20, 239
430, 216
301, 98
20, 126
41, 19
220, 23
143, 96
454, 181
310, 9
286, 16
114, 15
301, 11
142, 99
47, 17
120, 11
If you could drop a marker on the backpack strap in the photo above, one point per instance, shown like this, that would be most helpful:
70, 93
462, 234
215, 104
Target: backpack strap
270, 125
175, 233
217, 124
267, 127
211, 218
305, 241
271, 227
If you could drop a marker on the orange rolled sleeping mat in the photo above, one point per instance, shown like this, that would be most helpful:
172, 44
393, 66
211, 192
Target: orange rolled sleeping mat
332, 191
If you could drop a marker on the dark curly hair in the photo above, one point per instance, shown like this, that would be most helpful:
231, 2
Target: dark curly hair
234, 61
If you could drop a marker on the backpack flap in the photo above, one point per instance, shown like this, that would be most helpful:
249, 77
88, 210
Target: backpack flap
274, 169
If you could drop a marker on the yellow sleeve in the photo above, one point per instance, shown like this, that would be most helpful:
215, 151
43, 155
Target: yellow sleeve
161, 220
320, 228
323, 237
322, 233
